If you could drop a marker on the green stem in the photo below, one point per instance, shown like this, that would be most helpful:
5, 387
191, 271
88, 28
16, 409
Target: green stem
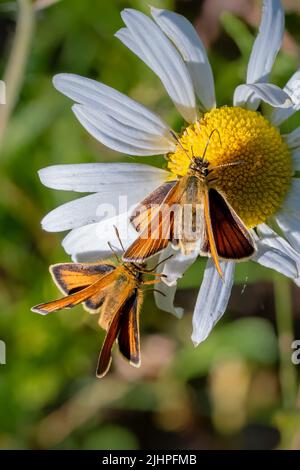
284, 318
14, 73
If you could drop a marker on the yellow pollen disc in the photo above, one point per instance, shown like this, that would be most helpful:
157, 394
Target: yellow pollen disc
258, 182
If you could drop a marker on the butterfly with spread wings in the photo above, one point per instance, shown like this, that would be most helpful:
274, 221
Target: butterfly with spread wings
114, 291
191, 214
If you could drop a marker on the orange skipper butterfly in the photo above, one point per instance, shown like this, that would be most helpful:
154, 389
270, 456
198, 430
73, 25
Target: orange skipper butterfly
187, 211
115, 291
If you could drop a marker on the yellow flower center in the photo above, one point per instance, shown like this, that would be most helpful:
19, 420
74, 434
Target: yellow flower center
250, 161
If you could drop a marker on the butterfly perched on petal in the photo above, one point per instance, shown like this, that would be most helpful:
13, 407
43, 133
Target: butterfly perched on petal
192, 214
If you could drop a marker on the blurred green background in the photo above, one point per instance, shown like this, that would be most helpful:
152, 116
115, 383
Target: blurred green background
239, 388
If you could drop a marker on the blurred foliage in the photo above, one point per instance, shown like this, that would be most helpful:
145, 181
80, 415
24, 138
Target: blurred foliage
225, 393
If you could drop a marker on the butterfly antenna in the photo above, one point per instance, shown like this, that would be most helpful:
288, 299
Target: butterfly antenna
161, 262
192, 150
119, 238
223, 165
114, 252
179, 143
156, 266
209, 139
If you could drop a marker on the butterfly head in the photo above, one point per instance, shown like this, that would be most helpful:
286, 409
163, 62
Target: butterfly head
134, 270
199, 168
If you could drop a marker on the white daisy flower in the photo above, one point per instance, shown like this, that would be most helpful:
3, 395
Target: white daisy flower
263, 191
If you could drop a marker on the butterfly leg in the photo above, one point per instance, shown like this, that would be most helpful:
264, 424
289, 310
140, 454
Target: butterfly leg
150, 283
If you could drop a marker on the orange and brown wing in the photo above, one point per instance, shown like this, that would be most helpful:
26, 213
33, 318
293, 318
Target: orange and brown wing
104, 360
232, 239
124, 327
72, 277
142, 214
77, 297
129, 336
116, 295
159, 230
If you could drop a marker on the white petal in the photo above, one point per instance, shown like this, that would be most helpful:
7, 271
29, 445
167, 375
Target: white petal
74, 214
119, 136
96, 177
292, 88
267, 43
186, 39
273, 259
155, 49
125, 36
84, 240
104, 99
91, 256
244, 97
292, 201
107, 203
166, 302
296, 160
249, 96
94, 238
175, 267
290, 226
276, 253
293, 139
212, 299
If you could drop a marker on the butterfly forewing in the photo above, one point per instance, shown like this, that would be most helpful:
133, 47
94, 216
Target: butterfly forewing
110, 338
231, 237
80, 294
124, 327
72, 277
129, 335
144, 212
159, 230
